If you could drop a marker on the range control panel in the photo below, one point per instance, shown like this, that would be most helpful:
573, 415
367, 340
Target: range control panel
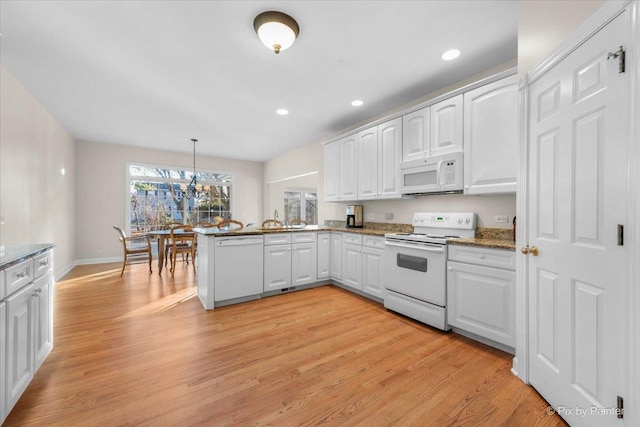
457, 220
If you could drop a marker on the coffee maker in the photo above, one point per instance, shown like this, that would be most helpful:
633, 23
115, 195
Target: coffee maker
354, 216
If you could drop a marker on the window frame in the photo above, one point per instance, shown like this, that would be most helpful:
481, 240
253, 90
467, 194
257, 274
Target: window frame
303, 199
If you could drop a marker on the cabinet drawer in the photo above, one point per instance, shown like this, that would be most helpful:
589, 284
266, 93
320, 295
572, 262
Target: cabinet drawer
373, 242
277, 239
2, 290
17, 276
352, 239
42, 264
300, 237
500, 258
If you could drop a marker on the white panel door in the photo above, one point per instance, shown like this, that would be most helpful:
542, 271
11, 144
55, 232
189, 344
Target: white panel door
304, 263
336, 256
352, 266
43, 321
3, 354
446, 126
372, 271
19, 344
277, 267
491, 138
367, 155
415, 135
348, 169
577, 199
324, 255
389, 158
332, 171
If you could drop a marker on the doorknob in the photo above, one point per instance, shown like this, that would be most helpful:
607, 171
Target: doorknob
533, 250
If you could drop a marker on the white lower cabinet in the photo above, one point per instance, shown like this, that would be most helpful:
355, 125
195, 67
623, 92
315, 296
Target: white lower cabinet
324, 255
3, 336
372, 254
481, 297
277, 267
304, 263
336, 256
43, 320
290, 259
352, 266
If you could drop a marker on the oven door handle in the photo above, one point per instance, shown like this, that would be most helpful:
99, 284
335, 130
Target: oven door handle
439, 249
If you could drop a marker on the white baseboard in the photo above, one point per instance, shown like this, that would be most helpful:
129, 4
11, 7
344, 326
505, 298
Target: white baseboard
64, 271
98, 260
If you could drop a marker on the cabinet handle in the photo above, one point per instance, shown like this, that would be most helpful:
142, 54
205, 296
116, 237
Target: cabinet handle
481, 256
21, 275
44, 262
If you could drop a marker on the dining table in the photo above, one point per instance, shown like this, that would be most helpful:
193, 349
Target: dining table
162, 236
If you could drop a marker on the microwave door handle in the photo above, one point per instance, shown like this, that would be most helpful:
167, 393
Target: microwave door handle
440, 180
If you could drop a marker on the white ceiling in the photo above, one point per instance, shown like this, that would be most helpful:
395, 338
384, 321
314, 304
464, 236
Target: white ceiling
157, 73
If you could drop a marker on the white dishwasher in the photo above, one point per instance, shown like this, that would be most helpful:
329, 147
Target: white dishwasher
238, 267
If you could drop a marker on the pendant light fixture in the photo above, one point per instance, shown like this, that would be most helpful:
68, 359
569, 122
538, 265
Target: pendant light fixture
194, 189
276, 30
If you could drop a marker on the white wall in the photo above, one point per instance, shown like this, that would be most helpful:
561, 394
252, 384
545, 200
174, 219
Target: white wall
102, 197
37, 201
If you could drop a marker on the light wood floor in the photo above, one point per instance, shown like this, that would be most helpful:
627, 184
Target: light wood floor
141, 350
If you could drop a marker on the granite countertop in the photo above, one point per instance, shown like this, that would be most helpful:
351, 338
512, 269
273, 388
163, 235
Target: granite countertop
14, 254
485, 243
258, 231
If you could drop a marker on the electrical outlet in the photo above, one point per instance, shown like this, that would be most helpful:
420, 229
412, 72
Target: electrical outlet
501, 219
97, 251
371, 217
388, 216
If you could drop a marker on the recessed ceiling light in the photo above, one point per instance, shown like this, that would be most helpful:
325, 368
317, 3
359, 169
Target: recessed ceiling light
282, 111
451, 54
357, 102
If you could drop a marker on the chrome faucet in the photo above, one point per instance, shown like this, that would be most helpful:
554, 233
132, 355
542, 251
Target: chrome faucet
275, 214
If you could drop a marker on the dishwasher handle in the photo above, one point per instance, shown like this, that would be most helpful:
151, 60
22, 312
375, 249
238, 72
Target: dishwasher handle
238, 241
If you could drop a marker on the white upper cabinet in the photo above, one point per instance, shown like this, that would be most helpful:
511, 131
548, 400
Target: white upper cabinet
491, 138
367, 155
340, 170
415, 135
446, 126
389, 158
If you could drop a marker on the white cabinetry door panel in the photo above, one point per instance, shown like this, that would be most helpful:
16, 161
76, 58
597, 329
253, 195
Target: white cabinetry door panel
481, 300
336, 256
304, 263
43, 332
3, 354
332, 171
389, 158
372, 271
20, 341
367, 155
415, 135
446, 126
348, 169
277, 267
324, 255
352, 266
491, 138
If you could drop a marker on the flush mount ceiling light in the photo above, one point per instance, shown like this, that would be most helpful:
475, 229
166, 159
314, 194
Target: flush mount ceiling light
282, 111
276, 30
451, 54
357, 102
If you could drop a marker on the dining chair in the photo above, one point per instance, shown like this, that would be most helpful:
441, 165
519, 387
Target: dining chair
183, 241
230, 225
272, 223
297, 221
203, 225
169, 226
135, 249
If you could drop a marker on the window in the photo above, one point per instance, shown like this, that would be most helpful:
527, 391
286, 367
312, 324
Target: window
155, 197
301, 204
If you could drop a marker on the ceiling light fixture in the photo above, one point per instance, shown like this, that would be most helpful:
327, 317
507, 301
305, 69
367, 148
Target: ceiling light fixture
282, 111
276, 30
451, 54
357, 103
194, 189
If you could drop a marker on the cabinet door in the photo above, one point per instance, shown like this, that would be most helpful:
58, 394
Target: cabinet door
3, 354
324, 255
371, 271
277, 267
19, 344
304, 263
389, 158
415, 135
352, 266
367, 155
336, 256
446, 126
491, 138
348, 169
481, 301
43, 332
332, 171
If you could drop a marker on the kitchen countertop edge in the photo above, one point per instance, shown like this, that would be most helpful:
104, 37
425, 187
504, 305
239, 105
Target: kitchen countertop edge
484, 243
15, 254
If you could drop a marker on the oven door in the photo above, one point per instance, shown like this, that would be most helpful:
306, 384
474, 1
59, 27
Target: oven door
416, 270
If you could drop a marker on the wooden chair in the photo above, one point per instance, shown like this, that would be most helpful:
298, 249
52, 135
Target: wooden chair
136, 249
230, 224
203, 225
297, 221
167, 245
272, 223
184, 244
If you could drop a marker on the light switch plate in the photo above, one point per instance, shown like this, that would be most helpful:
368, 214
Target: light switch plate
371, 217
388, 216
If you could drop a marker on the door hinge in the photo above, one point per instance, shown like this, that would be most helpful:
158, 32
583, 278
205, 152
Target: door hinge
620, 408
620, 54
620, 235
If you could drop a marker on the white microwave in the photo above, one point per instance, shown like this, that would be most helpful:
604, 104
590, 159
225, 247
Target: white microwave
435, 174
